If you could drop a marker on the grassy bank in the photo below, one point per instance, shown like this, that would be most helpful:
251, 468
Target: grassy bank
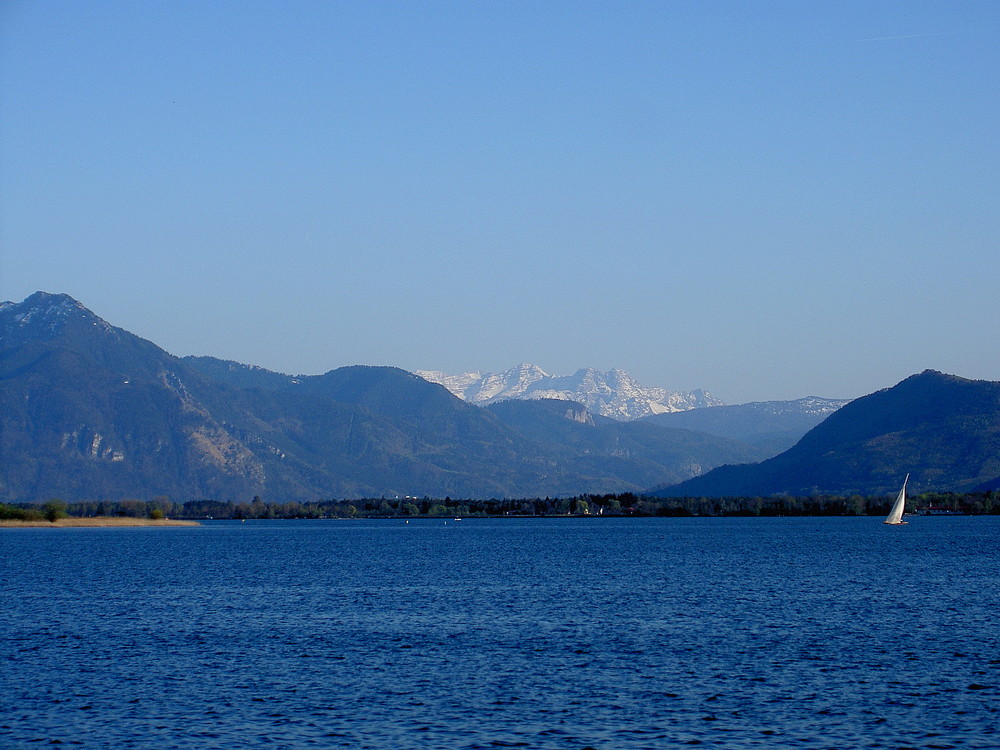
95, 522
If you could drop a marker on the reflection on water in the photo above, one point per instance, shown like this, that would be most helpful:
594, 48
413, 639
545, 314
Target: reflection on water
603, 633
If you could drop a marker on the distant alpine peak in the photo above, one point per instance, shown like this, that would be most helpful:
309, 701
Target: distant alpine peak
614, 393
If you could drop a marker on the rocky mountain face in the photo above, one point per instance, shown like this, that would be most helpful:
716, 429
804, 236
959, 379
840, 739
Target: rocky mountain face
614, 394
941, 429
89, 409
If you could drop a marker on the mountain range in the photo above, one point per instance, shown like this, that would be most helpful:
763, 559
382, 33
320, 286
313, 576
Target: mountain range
89, 411
614, 394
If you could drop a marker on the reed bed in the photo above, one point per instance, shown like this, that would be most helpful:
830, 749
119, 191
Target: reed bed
95, 521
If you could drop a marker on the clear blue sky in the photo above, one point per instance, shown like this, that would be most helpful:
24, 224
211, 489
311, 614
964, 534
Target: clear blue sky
767, 200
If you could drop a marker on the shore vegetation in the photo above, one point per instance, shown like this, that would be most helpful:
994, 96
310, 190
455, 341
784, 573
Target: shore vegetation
160, 510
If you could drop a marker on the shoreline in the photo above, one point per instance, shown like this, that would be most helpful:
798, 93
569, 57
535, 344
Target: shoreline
93, 522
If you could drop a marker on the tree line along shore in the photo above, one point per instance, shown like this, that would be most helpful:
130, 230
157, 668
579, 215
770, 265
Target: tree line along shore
163, 510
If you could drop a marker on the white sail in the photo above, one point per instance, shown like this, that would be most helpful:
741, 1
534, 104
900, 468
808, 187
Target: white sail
896, 514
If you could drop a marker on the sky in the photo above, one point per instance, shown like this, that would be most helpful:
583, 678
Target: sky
767, 200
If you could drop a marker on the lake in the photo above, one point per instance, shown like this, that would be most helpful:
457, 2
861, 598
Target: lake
538, 633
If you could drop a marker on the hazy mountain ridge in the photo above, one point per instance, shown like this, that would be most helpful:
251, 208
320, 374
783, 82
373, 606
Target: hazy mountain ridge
772, 426
634, 448
614, 394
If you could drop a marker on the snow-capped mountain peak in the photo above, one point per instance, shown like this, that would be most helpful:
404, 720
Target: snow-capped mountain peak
614, 394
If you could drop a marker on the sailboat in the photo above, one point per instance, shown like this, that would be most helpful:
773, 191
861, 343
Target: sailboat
896, 514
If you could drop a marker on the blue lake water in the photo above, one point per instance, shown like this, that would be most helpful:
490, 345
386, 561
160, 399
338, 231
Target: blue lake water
575, 633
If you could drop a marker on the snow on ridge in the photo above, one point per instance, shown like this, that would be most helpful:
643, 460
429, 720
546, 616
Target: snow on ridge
818, 405
48, 311
613, 394
457, 384
807, 405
